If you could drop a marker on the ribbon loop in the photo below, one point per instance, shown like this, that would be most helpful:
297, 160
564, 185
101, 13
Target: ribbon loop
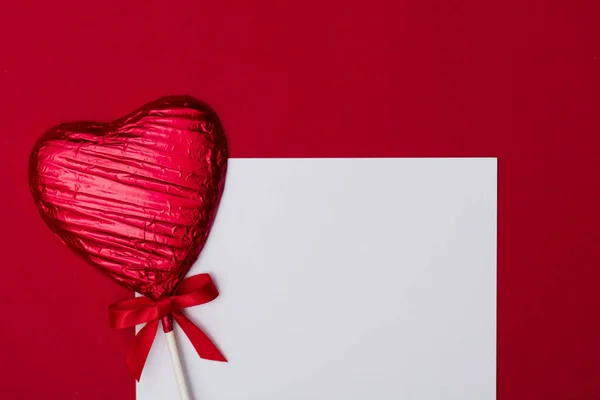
193, 291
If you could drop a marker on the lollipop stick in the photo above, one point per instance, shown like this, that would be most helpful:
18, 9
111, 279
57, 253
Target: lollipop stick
184, 390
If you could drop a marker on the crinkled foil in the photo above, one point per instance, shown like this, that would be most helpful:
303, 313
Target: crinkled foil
135, 197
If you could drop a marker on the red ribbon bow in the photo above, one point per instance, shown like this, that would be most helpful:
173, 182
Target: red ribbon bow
193, 291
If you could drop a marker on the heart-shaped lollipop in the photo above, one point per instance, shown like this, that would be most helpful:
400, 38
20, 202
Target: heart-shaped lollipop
135, 197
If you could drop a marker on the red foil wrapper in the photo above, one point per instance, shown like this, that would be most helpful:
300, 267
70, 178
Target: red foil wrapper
135, 197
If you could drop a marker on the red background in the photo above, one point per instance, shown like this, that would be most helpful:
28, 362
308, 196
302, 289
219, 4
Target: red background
319, 78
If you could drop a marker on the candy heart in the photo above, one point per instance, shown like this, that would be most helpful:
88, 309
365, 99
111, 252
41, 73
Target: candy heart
135, 197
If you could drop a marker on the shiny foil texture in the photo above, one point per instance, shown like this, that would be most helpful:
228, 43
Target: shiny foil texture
135, 197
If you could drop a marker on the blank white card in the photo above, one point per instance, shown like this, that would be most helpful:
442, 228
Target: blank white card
347, 279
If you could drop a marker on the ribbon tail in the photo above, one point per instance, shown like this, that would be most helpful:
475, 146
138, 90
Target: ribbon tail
138, 353
204, 346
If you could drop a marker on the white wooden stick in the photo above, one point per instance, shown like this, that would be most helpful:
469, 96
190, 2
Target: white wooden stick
184, 389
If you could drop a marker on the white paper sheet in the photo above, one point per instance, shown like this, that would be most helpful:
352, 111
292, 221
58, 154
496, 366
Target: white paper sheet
347, 279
